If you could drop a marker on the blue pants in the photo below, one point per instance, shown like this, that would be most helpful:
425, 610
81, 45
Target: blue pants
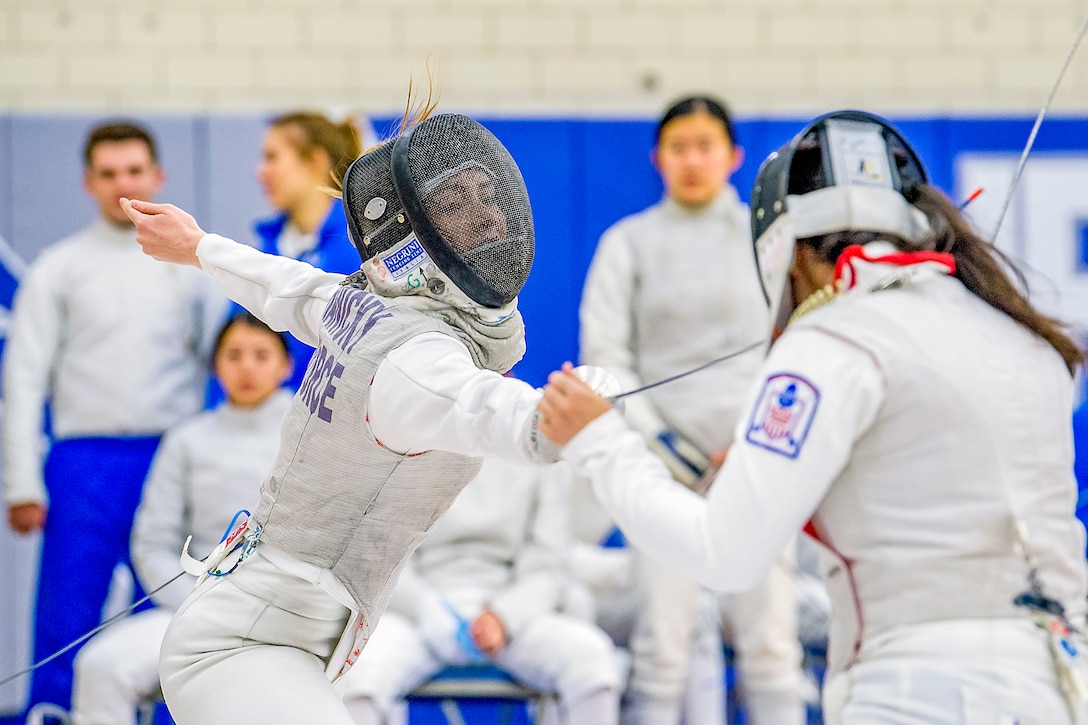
94, 488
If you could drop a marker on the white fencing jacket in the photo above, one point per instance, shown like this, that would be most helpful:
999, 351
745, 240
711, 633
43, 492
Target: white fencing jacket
913, 426
116, 342
427, 394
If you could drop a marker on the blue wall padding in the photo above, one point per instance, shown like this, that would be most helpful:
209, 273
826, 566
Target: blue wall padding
582, 174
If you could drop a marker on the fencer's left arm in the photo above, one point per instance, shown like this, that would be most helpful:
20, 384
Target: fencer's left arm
540, 569
781, 465
429, 395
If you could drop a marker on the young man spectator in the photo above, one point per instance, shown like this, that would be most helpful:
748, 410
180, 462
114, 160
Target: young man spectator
115, 345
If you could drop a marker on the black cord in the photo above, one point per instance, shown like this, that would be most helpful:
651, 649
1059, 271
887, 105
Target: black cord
90, 634
704, 366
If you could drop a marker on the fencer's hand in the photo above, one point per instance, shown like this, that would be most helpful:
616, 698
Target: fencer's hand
568, 406
165, 232
488, 633
26, 518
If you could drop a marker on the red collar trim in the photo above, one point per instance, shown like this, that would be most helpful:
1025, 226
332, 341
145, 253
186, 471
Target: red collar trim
901, 259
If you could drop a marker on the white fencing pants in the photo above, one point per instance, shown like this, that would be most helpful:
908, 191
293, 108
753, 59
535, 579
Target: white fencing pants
117, 669
553, 653
252, 647
966, 672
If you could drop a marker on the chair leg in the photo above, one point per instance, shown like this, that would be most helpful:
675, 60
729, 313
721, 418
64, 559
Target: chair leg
451, 712
145, 712
545, 709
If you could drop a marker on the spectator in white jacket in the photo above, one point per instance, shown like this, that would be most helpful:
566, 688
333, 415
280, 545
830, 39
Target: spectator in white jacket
485, 586
671, 288
116, 348
206, 469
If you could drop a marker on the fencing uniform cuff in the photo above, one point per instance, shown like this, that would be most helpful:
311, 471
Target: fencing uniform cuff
599, 432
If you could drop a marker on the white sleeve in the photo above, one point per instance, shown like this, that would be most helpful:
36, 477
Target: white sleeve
162, 521
30, 356
428, 394
770, 484
286, 293
606, 325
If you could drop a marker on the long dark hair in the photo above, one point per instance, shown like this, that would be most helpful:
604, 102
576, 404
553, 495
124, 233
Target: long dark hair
983, 268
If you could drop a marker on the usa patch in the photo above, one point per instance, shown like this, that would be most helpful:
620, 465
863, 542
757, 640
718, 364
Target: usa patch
782, 417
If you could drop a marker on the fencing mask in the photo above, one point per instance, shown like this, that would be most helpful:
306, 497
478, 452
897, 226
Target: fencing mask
442, 211
845, 171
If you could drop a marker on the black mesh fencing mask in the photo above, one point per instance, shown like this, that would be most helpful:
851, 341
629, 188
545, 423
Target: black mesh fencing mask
445, 194
845, 171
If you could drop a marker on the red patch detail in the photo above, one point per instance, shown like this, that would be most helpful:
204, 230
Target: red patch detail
901, 259
810, 529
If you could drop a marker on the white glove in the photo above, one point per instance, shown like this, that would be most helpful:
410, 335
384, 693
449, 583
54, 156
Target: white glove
602, 382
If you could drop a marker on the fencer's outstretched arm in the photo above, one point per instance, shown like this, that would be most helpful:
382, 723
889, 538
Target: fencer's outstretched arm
765, 492
428, 394
285, 293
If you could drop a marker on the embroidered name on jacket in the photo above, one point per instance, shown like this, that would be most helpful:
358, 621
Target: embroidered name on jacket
350, 315
783, 414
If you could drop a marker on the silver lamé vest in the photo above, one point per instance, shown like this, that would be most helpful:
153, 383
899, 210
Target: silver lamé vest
972, 437
337, 499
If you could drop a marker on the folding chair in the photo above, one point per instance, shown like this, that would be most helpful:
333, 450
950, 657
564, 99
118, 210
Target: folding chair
481, 682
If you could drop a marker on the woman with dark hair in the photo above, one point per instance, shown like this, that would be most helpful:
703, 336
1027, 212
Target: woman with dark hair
670, 288
914, 418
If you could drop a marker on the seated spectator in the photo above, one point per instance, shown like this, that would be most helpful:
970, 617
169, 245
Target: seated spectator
206, 469
485, 586
603, 589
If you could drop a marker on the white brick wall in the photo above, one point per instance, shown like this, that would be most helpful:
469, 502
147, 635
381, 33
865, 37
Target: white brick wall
540, 56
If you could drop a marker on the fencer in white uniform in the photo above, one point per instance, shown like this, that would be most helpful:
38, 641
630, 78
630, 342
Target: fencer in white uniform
671, 288
918, 421
401, 400
206, 469
498, 556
